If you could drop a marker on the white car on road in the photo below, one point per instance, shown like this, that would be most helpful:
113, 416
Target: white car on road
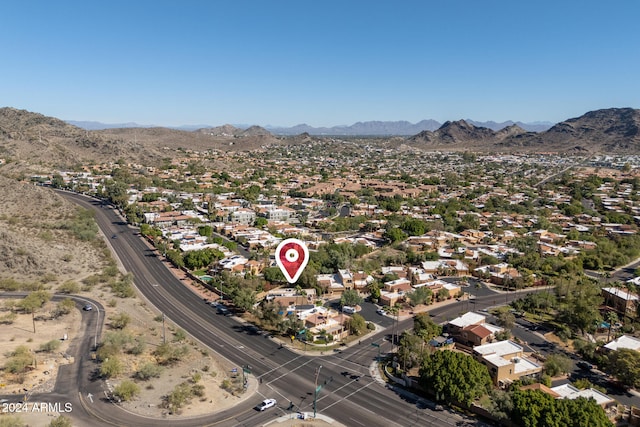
266, 404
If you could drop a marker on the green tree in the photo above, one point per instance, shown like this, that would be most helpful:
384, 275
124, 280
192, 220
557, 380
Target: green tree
425, 327
269, 314
624, 364
273, 275
557, 364
421, 295
260, 222
351, 298
116, 191
454, 376
411, 349
581, 306
395, 235
374, 290
244, 299
533, 408
505, 318
32, 302
356, 324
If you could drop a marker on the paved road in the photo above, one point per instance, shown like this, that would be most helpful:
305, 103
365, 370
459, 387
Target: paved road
78, 376
285, 375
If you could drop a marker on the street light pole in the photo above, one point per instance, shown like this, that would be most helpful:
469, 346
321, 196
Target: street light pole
95, 337
317, 387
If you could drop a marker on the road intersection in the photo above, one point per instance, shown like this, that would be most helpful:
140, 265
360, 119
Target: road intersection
276, 371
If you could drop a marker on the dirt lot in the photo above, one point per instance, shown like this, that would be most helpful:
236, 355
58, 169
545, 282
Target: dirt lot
212, 372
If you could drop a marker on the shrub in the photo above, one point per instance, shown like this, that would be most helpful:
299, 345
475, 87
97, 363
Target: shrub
167, 354
11, 421
61, 421
179, 335
69, 287
50, 346
19, 360
139, 347
120, 321
147, 371
126, 390
180, 395
63, 307
111, 367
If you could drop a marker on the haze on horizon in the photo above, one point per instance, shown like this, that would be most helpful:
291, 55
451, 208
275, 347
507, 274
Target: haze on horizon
324, 64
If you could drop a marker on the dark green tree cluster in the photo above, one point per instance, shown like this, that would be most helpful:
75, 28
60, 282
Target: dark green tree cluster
454, 377
414, 344
624, 364
329, 258
350, 297
533, 408
201, 258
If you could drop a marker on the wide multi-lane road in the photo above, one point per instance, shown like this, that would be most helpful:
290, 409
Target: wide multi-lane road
349, 394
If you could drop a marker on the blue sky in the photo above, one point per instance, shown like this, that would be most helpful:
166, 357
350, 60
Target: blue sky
324, 63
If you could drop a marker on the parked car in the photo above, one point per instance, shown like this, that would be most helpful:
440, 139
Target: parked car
381, 311
348, 310
266, 404
585, 365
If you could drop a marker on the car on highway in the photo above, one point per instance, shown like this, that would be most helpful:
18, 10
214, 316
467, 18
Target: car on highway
87, 307
266, 404
223, 310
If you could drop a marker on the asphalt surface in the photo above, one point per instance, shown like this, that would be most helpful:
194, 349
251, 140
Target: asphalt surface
348, 393
356, 399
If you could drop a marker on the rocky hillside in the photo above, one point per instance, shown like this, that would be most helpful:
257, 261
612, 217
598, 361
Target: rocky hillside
613, 130
37, 139
37, 241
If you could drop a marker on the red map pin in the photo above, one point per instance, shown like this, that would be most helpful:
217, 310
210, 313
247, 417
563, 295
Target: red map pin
292, 256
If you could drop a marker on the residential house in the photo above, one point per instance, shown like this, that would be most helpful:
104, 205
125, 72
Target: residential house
506, 362
567, 391
622, 301
471, 329
394, 291
498, 274
242, 216
625, 341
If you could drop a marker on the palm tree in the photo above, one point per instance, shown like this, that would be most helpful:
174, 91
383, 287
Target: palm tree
612, 318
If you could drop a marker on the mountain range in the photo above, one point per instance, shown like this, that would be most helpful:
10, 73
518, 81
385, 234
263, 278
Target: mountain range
369, 128
34, 139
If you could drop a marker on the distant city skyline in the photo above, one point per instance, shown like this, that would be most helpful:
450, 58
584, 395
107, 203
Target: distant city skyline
324, 64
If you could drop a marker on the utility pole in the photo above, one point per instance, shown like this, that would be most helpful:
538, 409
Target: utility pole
164, 335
